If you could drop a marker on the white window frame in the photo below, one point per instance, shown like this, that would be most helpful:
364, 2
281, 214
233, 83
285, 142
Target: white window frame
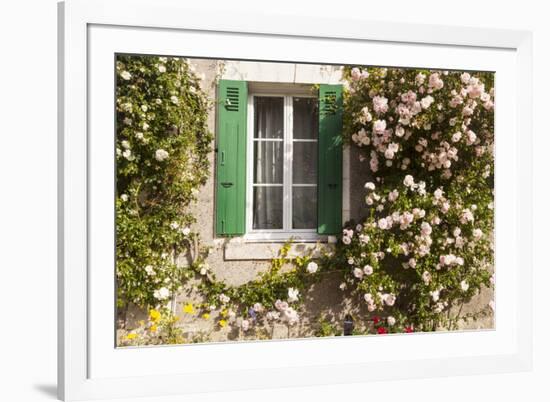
288, 140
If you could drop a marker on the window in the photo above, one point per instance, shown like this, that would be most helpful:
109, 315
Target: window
283, 164
278, 161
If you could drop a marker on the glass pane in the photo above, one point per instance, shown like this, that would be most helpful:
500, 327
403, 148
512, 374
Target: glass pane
305, 118
268, 208
268, 162
268, 117
304, 207
304, 163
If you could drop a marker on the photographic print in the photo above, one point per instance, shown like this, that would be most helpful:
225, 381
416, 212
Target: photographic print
272, 200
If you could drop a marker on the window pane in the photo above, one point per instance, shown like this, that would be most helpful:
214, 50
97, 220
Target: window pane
305, 118
268, 208
304, 163
268, 162
304, 207
268, 117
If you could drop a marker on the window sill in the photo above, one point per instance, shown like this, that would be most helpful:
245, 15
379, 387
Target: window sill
248, 249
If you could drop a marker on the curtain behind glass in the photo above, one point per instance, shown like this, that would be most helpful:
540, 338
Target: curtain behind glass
268, 162
304, 162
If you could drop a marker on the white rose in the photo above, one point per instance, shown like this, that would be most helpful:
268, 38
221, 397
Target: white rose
389, 299
161, 294
293, 295
358, 273
127, 154
149, 270
426, 228
426, 102
370, 185
435, 295
471, 137
312, 267
126, 75
408, 181
383, 223
391, 320
161, 155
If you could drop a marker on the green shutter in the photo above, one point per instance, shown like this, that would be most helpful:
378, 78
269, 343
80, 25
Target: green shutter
231, 158
330, 159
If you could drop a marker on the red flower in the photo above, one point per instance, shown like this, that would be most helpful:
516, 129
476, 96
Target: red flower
382, 331
409, 329
376, 320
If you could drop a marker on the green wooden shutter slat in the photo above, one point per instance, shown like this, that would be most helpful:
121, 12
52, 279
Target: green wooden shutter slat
330, 159
231, 158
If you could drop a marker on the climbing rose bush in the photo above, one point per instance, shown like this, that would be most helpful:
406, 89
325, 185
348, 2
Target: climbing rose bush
162, 143
425, 245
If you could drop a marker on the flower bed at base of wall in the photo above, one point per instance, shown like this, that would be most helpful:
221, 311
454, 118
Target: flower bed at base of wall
422, 251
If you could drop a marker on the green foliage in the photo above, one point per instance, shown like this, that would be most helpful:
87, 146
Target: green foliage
326, 328
162, 143
267, 287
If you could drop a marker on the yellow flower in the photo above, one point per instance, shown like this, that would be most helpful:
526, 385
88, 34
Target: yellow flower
223, 313
131, 336
188, 308
154, 314
222, 323
153, 328
206, 316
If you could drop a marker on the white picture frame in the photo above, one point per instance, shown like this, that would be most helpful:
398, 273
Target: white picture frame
89, 365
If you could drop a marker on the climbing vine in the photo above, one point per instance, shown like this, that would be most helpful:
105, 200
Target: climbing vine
162, 143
